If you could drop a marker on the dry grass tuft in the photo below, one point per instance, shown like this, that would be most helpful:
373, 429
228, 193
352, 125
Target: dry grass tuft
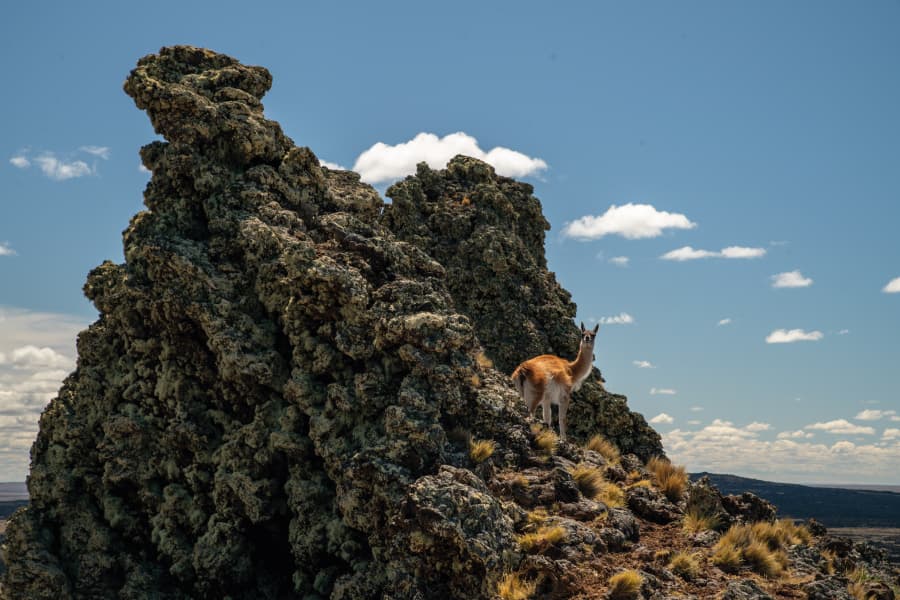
537, 516
763, 559
685, 565
726, 556
483, 361
739, 536
589, 480
481, 450
625, 585
542, 539
663, 555
640, 483
513, 587
545, 440
604, 448
672, 480
520, 481
611, 495
696, 521
761, 546
830, 559
475, 380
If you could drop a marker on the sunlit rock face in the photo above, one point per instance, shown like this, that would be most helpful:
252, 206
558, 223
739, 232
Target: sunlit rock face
277, 397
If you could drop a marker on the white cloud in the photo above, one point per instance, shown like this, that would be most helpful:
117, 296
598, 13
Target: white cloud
873, 415
892, 287
20, 162
619, 261
101, 151
843, 332
143, 169
842, 426
694, 422
795, 435
662, 418
383, 162
631, 221
620, 319
782, 336
5, 250
643, 364
663, 391
33, 358
724, 322
891, 433
61, 170
790, 279
696, 409
723, 448
757, 426
688, 253
331, 165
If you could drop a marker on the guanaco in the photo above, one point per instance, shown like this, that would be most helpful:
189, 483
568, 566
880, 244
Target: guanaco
549, 379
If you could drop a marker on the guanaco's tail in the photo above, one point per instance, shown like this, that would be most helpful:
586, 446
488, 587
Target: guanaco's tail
519, 376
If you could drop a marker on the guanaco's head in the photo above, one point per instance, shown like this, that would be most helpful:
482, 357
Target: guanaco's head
588, 335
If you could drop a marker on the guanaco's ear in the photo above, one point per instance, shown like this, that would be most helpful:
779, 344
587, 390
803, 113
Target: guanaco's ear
582, 327
597, 328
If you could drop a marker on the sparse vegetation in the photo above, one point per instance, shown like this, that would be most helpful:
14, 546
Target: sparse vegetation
830, 559
520, 481
663, 555
543, 538
685, 565
640, 483
726, 556
672, 480
763, 559
475, 380
611, 495
604, 448
545, 439
589, 480
761, 546
513, 587
537, 516
625, 585
481, 450
483, 361
696, 521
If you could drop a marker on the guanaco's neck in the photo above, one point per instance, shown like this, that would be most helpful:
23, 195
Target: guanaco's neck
581, 366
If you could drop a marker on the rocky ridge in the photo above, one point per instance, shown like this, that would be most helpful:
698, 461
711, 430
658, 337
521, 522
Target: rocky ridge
287, 382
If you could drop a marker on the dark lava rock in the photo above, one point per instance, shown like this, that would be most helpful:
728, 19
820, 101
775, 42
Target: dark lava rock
745, 589
749, 508
652, 505
705, 499
828, 588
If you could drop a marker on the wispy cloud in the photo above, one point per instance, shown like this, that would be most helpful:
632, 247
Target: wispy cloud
757, 426
5, 250
795, 435
696, 409
631, 221
892, 287
686, 253
892, 433
101, 151
723, 322
619, 261
874, 415
783, 336
619, 319
662, 418
643, 364
331, 165
842, 426
663, 391
20, 162
60, 170
843, 332
791, 279
384, 162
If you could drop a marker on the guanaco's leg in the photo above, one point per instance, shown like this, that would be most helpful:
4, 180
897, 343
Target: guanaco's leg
533, 395
563, 408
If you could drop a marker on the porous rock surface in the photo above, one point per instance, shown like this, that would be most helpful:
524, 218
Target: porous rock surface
262, 408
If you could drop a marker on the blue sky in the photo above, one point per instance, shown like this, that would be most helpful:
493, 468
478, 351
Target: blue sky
770, 127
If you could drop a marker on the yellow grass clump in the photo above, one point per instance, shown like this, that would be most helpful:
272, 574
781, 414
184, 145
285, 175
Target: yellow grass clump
672, 480
685, 565
625, 585
542, 539
611, 495
520, 481
761, 546
513, 587
763, 559
588, 479
481, 450
726, 556
696, 521
604, 448
483, 361
545, 440
537, 516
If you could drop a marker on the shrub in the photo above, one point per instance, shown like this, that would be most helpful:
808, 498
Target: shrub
625, 585
481, 450
604, 448
513, 587
542, 539
589, 480
672, 480
685, 565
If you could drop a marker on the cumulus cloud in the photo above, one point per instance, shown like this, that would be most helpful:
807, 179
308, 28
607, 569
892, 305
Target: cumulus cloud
643, 364
696, 409
724, 448
873, 415
331, 165
619, 261
686, 253
757, 426
891, 433
631, 221
5, 250
795, 435
663, 391
100, 151
790, 279
892, 287
724, 322
619, 319
20, 162
842, 426
382, 162
32, 357
783, 336
60, 170
662, 418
